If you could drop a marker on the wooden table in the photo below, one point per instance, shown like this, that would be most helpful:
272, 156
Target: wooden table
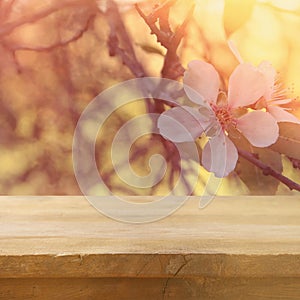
235, 248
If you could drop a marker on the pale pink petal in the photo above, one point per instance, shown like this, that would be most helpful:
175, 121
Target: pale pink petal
235, 51
269, 72
246, 85
259, 127
196, 98
204, 79
181, 124
219, 155
281, 115
279, 102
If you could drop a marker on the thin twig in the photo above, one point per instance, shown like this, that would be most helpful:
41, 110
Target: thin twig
119, 42
72, 39
8, 27
295, 162
172, 67
267, 170
163, 37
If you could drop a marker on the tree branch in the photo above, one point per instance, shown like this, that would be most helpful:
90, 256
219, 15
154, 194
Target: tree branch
163, 37
172, 67
295, 162
74, 38
5, 10
8, 27
267, 170
119, 36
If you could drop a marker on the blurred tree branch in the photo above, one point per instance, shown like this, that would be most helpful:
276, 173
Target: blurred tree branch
5, 9
267, 170
74, 38
7, 27
119, 42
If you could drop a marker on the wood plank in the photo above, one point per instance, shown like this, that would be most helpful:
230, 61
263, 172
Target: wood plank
150, 288
254, 220
246, 236
149, 265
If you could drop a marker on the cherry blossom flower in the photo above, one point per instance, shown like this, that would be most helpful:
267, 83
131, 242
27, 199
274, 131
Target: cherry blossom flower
274, 95
215, 113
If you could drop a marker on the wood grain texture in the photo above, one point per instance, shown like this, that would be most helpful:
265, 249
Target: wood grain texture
150, 289
235, 248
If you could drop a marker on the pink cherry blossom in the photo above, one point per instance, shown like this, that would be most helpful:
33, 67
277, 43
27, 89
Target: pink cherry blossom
213, 117
274, 95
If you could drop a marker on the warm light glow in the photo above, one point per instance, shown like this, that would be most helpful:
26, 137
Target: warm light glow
55, 60
292, 5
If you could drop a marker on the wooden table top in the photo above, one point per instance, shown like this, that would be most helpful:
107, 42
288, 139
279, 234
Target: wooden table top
232, 236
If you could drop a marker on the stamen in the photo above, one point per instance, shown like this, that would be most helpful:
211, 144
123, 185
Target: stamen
279, 92
224, 116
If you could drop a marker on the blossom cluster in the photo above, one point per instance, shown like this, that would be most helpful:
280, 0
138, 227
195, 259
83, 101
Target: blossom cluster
252, 105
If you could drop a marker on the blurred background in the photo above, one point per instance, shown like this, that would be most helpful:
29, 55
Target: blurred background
54, 60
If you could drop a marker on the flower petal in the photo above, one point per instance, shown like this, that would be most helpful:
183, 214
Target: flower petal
219, 155
281, 115
279, 101
246, 85
259, 127
235, 51
269, 72
181, 124
204, 79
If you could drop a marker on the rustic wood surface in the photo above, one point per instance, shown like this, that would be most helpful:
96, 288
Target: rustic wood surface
235, 248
